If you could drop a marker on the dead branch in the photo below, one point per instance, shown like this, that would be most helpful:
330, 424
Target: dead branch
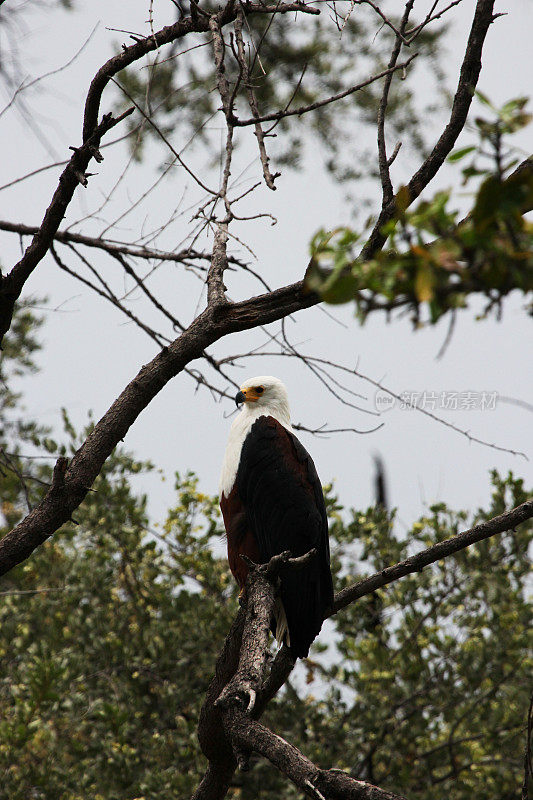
219, 263
260, 593
76, 170
242, 689
384, 165
314, 782
252, 102
120, 249
430, 17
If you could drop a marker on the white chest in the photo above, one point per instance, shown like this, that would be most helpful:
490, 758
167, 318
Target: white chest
238, 433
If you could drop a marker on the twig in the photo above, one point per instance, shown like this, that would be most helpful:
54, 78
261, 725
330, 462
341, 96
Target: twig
277, 115
384, 164
430, 17
164, 139
118, 248
252, 102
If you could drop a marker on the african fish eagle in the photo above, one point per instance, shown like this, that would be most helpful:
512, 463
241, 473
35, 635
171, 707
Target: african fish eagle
271, 501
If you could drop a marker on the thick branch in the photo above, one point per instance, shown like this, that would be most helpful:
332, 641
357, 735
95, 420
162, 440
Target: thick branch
59, 503
504, 522
242, 689
316, 783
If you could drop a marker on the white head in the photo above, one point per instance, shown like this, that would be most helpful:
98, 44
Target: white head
264, 395
261, 396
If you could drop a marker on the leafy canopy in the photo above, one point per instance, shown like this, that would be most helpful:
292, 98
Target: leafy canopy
433, 259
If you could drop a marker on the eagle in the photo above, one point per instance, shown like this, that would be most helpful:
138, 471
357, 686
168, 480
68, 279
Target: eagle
272, 501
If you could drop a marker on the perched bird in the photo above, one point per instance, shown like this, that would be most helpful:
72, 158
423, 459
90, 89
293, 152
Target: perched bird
271, 501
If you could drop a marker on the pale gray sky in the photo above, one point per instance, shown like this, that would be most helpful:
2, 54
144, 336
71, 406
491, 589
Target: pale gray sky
90, 353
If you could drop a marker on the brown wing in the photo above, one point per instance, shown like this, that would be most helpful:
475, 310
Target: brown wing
239, 535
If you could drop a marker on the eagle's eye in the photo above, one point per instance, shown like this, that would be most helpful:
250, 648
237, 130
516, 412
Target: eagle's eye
259, 389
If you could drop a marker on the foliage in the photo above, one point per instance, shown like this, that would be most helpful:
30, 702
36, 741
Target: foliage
106, 655
110, 632
432, 259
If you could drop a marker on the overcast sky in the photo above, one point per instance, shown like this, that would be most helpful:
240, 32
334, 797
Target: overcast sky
90, 353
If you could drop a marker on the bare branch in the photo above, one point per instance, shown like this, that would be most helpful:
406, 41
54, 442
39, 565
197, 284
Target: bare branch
414, 32
314, 782
277, 115
219, 52
399, 33
164, 139
120, 248
384, 164
109, 295
74, 173
219, 263
259, 133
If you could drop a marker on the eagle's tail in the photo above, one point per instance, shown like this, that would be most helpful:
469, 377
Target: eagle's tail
281, 626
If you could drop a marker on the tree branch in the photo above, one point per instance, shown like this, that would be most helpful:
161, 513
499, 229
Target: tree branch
219, 263
504, 522
74, 173
277, 115
468, 78
384, 165
252, 102
114, 249
316, 783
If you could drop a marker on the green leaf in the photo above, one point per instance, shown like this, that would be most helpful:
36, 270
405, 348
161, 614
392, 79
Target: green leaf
484, 99
457, 155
